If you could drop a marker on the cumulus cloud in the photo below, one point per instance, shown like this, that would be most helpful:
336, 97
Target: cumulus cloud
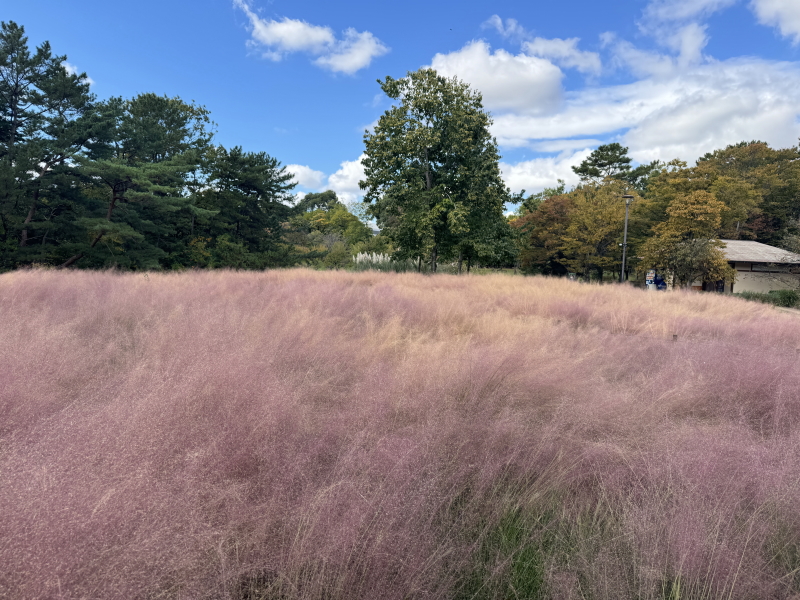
276, 38
783, 14
684, 115
565, 53
345, 181
306, 176
352, 53
507, 81
535, 175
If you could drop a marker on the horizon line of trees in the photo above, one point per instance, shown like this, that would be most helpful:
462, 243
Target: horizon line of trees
677, 219
139, 184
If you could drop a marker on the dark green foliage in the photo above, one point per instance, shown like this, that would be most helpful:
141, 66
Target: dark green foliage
132, 184
640, 177
431, 172
608, 160
251, 193
46, 118
785, 298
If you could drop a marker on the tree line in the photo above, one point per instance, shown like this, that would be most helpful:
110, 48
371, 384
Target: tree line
140, 184
679, 214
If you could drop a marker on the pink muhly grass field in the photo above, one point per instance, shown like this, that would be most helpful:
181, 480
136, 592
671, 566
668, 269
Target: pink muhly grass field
298, 434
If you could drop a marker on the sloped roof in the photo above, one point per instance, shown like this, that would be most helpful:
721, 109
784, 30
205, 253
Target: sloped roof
749, 251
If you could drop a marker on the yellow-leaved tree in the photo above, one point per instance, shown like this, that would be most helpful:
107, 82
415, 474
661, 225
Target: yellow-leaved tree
592, 239
687, 243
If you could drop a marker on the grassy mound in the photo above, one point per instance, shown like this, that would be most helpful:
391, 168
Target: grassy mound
297, 434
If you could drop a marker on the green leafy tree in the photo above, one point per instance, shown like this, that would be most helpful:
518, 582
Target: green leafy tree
327, 233
640, 177
767, 184
135, 176
431, 169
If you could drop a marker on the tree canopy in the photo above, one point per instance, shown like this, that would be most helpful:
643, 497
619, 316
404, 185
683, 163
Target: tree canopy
139, 183
431, 170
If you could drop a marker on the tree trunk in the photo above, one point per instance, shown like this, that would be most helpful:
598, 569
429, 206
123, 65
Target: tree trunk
469, 264
23, 240
460, 260
428, 178
419, 265
434, 257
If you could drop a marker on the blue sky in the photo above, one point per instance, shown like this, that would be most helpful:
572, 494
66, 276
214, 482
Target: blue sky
667, 78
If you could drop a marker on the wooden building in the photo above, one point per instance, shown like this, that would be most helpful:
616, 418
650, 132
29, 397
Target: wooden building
759, 268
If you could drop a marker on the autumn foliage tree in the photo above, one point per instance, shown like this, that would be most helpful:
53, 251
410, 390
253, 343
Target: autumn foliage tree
686, 244
592, 239
540, 234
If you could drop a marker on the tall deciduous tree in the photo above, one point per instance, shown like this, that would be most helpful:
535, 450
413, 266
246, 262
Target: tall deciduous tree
540, 235
592, 239
431, 169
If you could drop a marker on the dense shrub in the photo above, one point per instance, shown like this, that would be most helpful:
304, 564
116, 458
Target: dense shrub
338, 435
785, 298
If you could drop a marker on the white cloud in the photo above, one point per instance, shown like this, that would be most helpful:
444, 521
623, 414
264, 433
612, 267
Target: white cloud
290, 35
688, 42
508, 29
683, 115
277, 38
508, 82
345, 181
562, 52
306, 176
562, 145
353, 53
783, 14
73, 70
663, 11
565, 53
535, 175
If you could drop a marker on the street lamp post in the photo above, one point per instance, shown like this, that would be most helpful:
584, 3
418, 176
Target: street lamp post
628, 198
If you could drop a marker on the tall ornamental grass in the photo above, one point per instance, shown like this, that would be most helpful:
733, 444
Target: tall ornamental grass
375, 261
331, 435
